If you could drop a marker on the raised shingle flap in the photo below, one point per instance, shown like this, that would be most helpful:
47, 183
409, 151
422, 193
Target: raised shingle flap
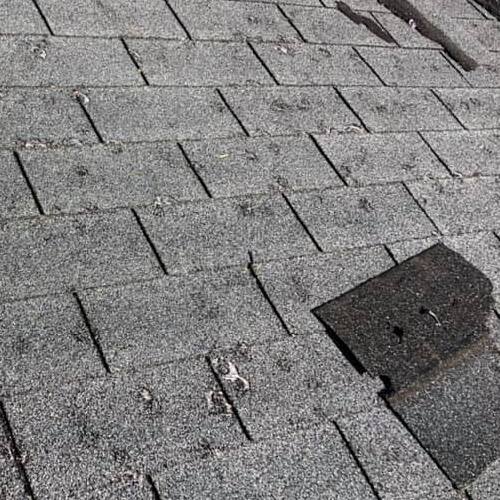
423, 328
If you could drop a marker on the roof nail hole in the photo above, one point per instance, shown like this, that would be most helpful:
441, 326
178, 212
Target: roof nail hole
398, 331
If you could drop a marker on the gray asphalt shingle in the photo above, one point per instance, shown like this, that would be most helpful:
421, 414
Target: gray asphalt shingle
42, 116
142, 18
303, 64
460, 205
361, 217
412, 67
224, 20
101, 177
488, 485
16, 199
464, 401
309, 465
467, 153
154, 114
11, 486
82, 436
20, 17
251, 166
394, 461
403, 33
475, 108
202, 174
385, 109
481, 249
51, 342
216, 233
48, 61
178, 317
330, 26
285, 111
198, 64
363, 159
50, 255
299, 284
292, 385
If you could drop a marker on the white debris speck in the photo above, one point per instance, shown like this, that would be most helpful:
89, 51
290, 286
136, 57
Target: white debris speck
216, 400
234, 376
146, 394
354, 128
412, 24
83, 98
434, 317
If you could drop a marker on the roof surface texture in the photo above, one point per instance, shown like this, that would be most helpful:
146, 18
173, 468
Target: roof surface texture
181, 183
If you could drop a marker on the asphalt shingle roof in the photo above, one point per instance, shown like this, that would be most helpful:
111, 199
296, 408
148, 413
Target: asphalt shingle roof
181, 183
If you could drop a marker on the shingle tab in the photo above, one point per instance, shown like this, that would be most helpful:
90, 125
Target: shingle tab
455, 416
20, 16
487, 32
15, 199
218, 233
363, 159
282, 111
361, 217
403, 33
467, 153
46, 61
370, 5
385, 109
83, 435
475, 108
298, 285
412, 67
11, 486
178, 317
46, 255
487, 486
486, 75
78, 179
248, 166
136, 489
42, 116
50, 343
309, 465
395, 463
460, 205
330, 26
304, 64
155, 114
422, 315
224, 20
480, 249
141, 18
460, 9
198, 64
291, 385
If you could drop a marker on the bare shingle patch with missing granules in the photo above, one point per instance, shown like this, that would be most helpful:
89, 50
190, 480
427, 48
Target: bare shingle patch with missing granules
423, 327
